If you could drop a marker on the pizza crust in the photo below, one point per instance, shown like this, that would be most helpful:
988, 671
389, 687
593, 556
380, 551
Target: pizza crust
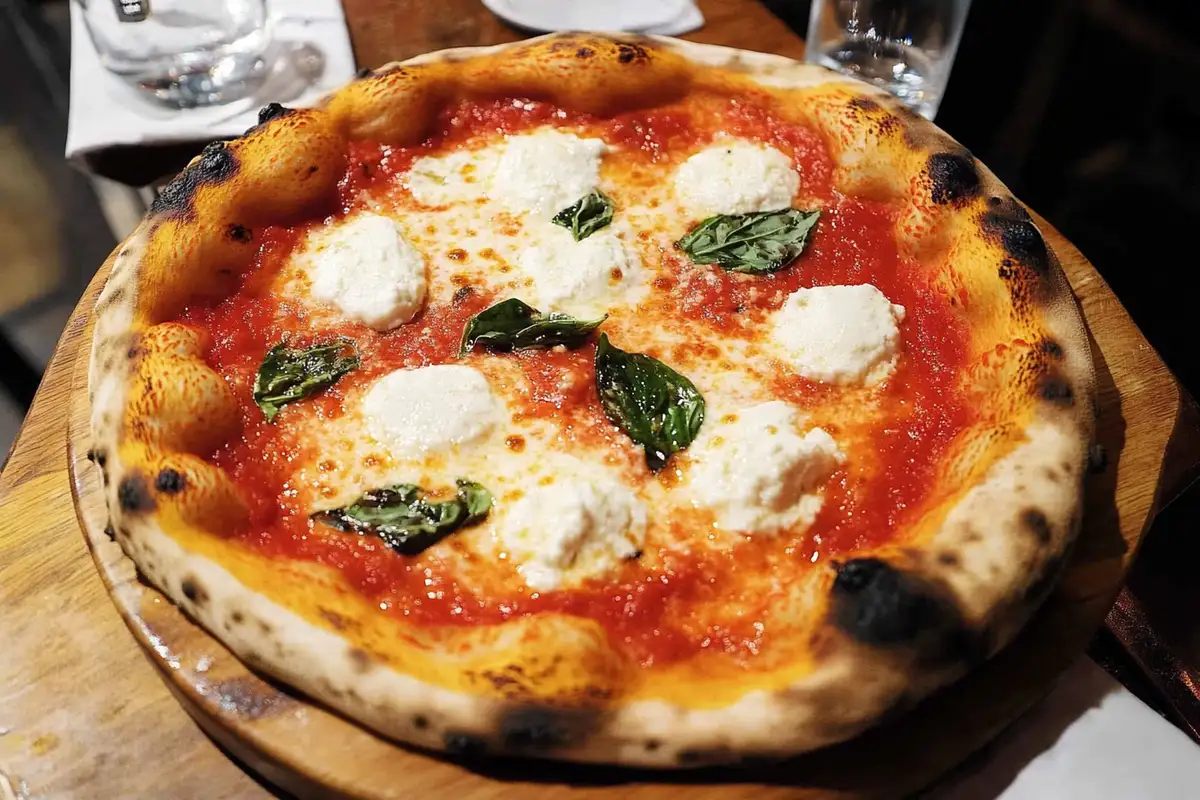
889, 627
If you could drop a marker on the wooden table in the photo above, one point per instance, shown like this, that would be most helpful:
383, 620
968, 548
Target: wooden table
83, 712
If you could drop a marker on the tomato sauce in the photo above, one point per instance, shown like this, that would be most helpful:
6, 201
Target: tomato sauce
648, 612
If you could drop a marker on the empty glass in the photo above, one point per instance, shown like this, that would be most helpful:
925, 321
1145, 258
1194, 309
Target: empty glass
904, 46
184, 53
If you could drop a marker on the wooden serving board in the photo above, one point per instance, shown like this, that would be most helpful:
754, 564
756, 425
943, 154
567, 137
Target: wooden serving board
314, 752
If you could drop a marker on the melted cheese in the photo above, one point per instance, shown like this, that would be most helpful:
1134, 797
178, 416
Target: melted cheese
572, 529
367, 270
839, 334
736, 179
757, 473
545, 171
428, 409
581, 278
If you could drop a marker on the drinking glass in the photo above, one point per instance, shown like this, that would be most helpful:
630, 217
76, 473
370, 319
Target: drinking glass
904, 46
183, 53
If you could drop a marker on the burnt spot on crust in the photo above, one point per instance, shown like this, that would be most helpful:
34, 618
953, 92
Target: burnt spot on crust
1016, 234
1036, 523
1055, 389
360, 660
715, 755
629, 52
193, 590
237, 618
652, 745
864, 104
953, 178
420, 722
273, 111
110, 531
1097, 458
879, 605
464, 745
133, 495
169, 481
948, 558
535, 729
585, 52
98, 457
216, 164
1051, 349
239, 233
363, 72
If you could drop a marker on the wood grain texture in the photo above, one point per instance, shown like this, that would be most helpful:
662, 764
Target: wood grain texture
84, 713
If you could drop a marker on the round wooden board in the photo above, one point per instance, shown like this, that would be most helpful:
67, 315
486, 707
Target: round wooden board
311, 751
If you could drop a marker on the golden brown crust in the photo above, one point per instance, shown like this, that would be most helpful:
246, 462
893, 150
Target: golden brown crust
890, 626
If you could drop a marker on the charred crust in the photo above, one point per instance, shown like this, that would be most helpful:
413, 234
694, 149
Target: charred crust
360, 660
464, 745
216, 164
948, 558
652, 745
110, 531
237, 618
363, 72
133, 495
953, 178
193, 590
1097, 458
273, 111
1036, 523
534, 729
879, 605
585, 52
98, 457
1056, 390
1051, 349
1018, 237
864, 104
169, 481
239, 233
420, 722
628, 52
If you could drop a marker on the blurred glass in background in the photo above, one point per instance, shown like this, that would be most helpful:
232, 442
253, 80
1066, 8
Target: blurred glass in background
904, 46
182, 53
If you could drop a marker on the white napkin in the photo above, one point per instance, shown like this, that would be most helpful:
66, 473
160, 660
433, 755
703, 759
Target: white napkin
1090, 738
662, 17
105, 111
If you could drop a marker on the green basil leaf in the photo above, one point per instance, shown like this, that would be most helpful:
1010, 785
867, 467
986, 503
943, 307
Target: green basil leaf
404, 520
586, 215
758, 243
656, 406
289, 374
514, 325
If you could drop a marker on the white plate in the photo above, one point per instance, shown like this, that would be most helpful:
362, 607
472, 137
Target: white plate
587, 15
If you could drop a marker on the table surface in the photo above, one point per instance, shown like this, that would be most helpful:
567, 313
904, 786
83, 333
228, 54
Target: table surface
84, 713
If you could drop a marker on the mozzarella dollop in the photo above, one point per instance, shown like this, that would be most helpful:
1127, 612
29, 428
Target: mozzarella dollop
736, 179
840, 334
571, 530
366, 269
581, 278
758, 474
414, 411
545, 171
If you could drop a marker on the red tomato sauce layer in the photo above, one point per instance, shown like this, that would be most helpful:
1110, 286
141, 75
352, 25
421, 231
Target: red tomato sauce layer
650, 613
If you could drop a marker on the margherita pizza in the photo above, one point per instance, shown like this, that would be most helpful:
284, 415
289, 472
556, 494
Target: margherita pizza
611, 399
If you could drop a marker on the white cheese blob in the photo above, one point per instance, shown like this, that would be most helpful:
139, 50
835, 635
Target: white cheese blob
415, 411
758, 474
545, 171
581, 278
464, 175
571, 530
736, 179
366, 269
840, 334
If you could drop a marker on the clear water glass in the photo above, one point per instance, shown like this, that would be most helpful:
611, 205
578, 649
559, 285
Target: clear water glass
182, 53
904, 46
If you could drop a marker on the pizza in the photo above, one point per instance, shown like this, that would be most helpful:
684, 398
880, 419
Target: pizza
612, 399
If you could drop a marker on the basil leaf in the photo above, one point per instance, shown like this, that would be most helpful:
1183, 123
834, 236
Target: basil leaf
656, 406
289, 374
404, 520
758, 243
587, 215
514, 325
